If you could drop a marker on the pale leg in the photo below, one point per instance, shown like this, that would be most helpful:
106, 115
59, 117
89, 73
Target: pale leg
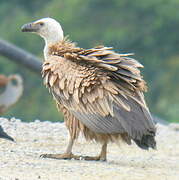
68, 154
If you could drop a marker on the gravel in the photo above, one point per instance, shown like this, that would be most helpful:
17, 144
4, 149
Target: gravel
21, 161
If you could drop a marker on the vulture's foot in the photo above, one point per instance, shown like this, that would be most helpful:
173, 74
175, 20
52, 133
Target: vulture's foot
93, 158
61, 156
66, 156
69, 155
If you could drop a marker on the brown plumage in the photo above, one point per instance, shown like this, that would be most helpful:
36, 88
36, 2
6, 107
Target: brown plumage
92, 86
100, 93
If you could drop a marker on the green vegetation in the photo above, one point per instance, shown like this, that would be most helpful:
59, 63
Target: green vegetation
147, 28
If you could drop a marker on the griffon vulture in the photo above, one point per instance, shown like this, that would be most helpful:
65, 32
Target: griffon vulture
99, 91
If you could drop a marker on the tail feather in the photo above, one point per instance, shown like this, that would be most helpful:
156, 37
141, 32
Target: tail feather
146, 142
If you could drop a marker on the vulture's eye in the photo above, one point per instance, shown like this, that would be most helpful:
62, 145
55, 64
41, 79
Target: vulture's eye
41, 23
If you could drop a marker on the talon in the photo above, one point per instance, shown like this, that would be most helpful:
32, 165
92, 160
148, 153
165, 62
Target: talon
102, 159
44, 155
95, 158
58, 156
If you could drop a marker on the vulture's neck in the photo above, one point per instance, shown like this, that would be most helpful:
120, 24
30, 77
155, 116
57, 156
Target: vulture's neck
50, 41
63, 47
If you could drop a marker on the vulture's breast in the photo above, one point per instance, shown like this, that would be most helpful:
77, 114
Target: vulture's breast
66, 78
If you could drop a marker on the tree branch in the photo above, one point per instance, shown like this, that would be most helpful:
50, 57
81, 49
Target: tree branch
20, 56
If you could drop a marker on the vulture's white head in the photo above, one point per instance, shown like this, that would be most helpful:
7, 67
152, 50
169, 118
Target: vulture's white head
47, 28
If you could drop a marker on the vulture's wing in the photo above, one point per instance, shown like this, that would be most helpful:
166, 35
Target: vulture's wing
112, 103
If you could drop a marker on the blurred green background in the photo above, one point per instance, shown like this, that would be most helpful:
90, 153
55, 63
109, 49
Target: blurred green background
147, 28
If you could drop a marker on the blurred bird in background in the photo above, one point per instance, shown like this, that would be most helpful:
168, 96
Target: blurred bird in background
100, 92
12, 89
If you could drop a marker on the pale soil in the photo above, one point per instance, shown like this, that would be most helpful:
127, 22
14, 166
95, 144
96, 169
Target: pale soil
20, 160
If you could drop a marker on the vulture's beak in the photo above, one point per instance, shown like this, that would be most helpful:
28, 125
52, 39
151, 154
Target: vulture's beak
5, 135
30, 27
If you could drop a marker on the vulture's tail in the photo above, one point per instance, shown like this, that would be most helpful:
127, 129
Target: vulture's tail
146, 142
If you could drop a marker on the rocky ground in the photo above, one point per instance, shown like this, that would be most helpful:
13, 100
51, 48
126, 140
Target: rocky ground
21, 161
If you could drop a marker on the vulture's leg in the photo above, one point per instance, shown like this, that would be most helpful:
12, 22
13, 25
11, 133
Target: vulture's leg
101, 157
67, 155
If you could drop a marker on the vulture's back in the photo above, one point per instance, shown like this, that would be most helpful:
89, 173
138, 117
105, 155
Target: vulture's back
102, 89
